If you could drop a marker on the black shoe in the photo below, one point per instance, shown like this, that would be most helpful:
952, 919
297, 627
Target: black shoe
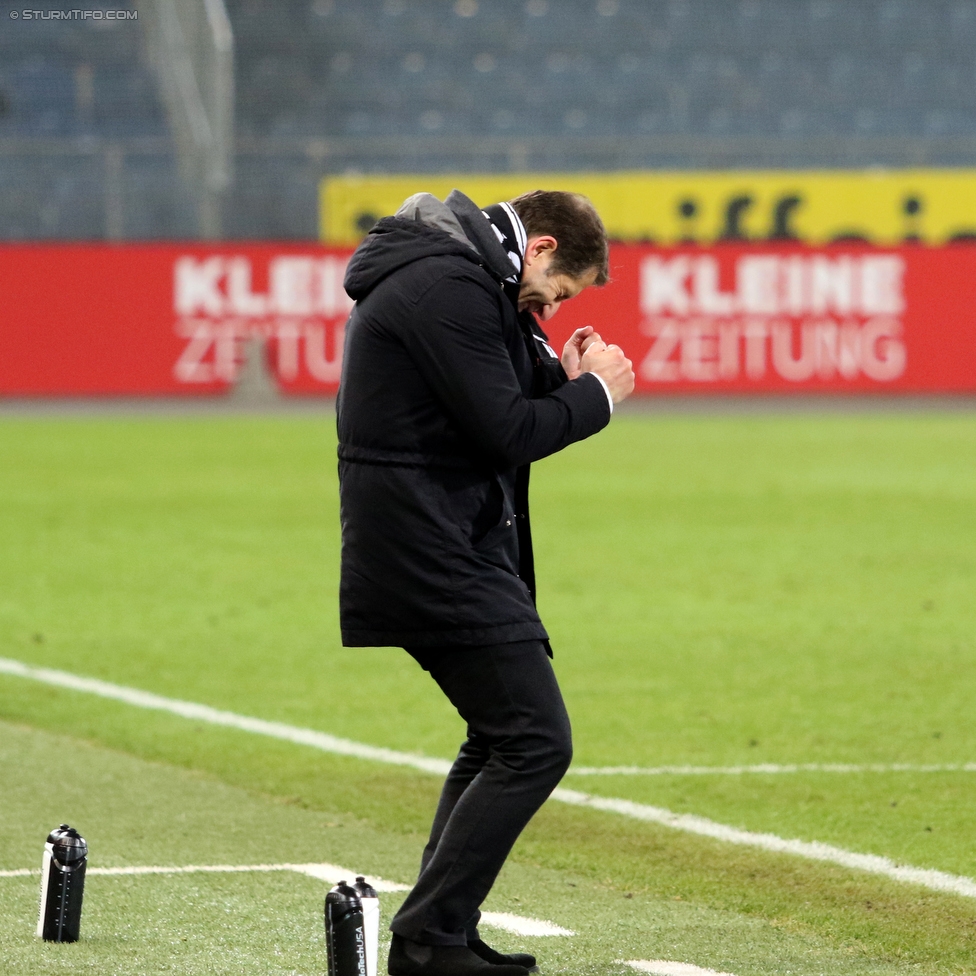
413, 959
496, 958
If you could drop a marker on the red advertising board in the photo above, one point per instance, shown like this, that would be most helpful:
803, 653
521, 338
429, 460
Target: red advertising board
173, 319
780, 319
167, 320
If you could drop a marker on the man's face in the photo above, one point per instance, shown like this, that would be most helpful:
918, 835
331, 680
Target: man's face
541, 292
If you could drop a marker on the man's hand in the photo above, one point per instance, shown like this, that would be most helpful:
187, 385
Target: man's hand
576, 345
612, 366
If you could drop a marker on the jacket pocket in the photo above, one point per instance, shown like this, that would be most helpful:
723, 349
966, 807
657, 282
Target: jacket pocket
481, 512
493, 517
498, 535
499, 544
475, 503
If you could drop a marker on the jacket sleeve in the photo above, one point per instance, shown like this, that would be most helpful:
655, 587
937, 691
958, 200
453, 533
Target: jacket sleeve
457, 343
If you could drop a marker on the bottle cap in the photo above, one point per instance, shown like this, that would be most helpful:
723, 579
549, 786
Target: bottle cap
365, 889
343, 894
68, 845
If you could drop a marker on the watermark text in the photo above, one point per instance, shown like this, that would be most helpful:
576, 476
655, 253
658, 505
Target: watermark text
28, 14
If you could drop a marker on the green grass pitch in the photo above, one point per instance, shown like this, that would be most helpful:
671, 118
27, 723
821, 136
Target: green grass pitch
721, 591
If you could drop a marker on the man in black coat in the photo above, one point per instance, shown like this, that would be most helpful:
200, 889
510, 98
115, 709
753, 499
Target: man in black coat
449, 391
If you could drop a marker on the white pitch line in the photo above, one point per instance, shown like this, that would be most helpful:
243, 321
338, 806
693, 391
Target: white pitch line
522, 926
664, 967
329, 873
214, 716
689, 823
333, 875
770, 768
813, 850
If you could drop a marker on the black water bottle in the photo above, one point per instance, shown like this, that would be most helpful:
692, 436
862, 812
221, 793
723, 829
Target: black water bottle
62, 885
345, 936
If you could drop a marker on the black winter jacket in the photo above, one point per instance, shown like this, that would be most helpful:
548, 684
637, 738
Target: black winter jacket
445, 399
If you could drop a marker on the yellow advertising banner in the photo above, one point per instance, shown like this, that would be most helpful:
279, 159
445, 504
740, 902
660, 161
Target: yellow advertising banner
886, 207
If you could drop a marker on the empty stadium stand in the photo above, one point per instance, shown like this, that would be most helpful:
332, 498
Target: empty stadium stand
331, 85
774, 68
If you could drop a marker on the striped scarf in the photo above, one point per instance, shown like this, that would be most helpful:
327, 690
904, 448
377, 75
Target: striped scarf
511, 235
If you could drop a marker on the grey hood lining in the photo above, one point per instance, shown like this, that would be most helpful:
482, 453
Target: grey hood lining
461, 217
477, 227
427, 209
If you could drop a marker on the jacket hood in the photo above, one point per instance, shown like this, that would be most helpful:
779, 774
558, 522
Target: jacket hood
425, 227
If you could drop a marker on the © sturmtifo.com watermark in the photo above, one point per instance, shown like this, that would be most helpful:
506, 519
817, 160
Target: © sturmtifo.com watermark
28, 14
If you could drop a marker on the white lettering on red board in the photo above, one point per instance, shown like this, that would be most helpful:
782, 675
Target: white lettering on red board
797, 317
218, 308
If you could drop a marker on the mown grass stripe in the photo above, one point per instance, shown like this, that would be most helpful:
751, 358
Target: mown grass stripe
689, 823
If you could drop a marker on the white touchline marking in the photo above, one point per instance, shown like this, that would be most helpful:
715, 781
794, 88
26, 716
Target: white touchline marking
522, 926
813, 850
214, 716
770, 768
330, 873
333, 875
663, 967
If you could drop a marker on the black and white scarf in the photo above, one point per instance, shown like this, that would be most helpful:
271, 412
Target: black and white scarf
510, 231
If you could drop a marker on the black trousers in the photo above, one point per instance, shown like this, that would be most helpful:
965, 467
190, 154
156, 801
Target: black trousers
519, 746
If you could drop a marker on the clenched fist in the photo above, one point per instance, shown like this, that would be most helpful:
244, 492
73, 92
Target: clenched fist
576, 345
612, 366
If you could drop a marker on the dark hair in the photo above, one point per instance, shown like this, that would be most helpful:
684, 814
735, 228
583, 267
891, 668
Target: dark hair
574, 222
